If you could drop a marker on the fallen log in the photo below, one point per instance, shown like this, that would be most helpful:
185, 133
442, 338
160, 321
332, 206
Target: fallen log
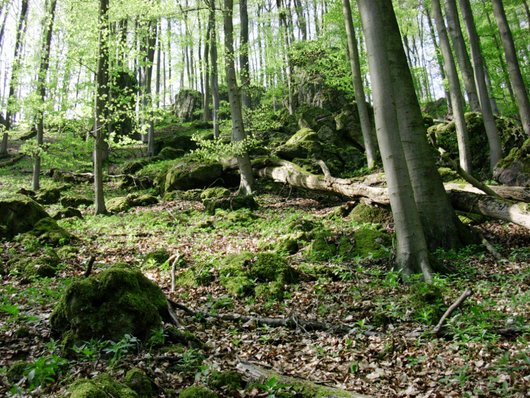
462, 199
253, 372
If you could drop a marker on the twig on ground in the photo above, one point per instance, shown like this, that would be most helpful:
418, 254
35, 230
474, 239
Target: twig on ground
438, 328
89, 266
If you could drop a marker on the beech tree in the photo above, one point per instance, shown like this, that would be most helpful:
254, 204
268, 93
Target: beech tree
238, 129
41, 88
457, 101
102, 95
369, 142
518, 85
412, 252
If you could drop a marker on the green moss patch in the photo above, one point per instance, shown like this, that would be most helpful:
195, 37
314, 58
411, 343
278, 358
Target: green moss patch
47, 230
197, 392
102, 386
109, 305
363, 213
139, 382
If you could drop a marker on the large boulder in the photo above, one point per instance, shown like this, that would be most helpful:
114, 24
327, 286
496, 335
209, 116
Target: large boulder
19, 214
109, 305
187, 102
514, 169
191, 174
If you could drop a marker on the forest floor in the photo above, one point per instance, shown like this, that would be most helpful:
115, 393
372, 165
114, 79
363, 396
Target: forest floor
389, 352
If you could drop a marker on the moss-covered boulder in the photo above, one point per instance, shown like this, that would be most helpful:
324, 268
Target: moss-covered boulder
75, 201
192, 174
169, 153
69, 212
49, 196
192, 195
19, 214
370, 242
239, 273
44, 266
215, 193
228, 381
124, 203
514, 169
118, 204
47, 230
232, 202
197, 392
109, 305
133, 166
140, 383
102, 386
304, 143
371, 214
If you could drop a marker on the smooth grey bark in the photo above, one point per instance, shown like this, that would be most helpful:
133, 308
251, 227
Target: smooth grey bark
238, 129
244, 68
455, 92
149, 53
102, 94
301, 19
462, 57
41, 90
441, 226
412, 254
518, 85
353, 52
527, 10
284, 31
215, 69
21, 30
207, 94
480, 80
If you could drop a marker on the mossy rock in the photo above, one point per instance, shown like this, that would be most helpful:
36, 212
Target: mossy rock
197, 392
191, 195
118, 205
228, 381
372, 242
45, 266
514, 169
109, 305
192, 174
49, 196
19, 214
75, 201
215, 193
288, 245
169, 153
140, 383
304, 143
368, 214
69, 212
133, 166
233, 202
303, 225
102, 386
47, 230
271, 291
323, 247
239, 273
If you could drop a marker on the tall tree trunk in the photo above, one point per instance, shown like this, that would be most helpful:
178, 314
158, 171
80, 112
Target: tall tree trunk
455, 31
284, 32
366, 126
169, 60
243, 55
21, 29
527, 10
158, 63
41, 89
102, 94
480, 80
439, 58
441, 226
454, 88
518, 85
302, 24
238, 130
207, 95
151, 41
412, 254
215, 69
